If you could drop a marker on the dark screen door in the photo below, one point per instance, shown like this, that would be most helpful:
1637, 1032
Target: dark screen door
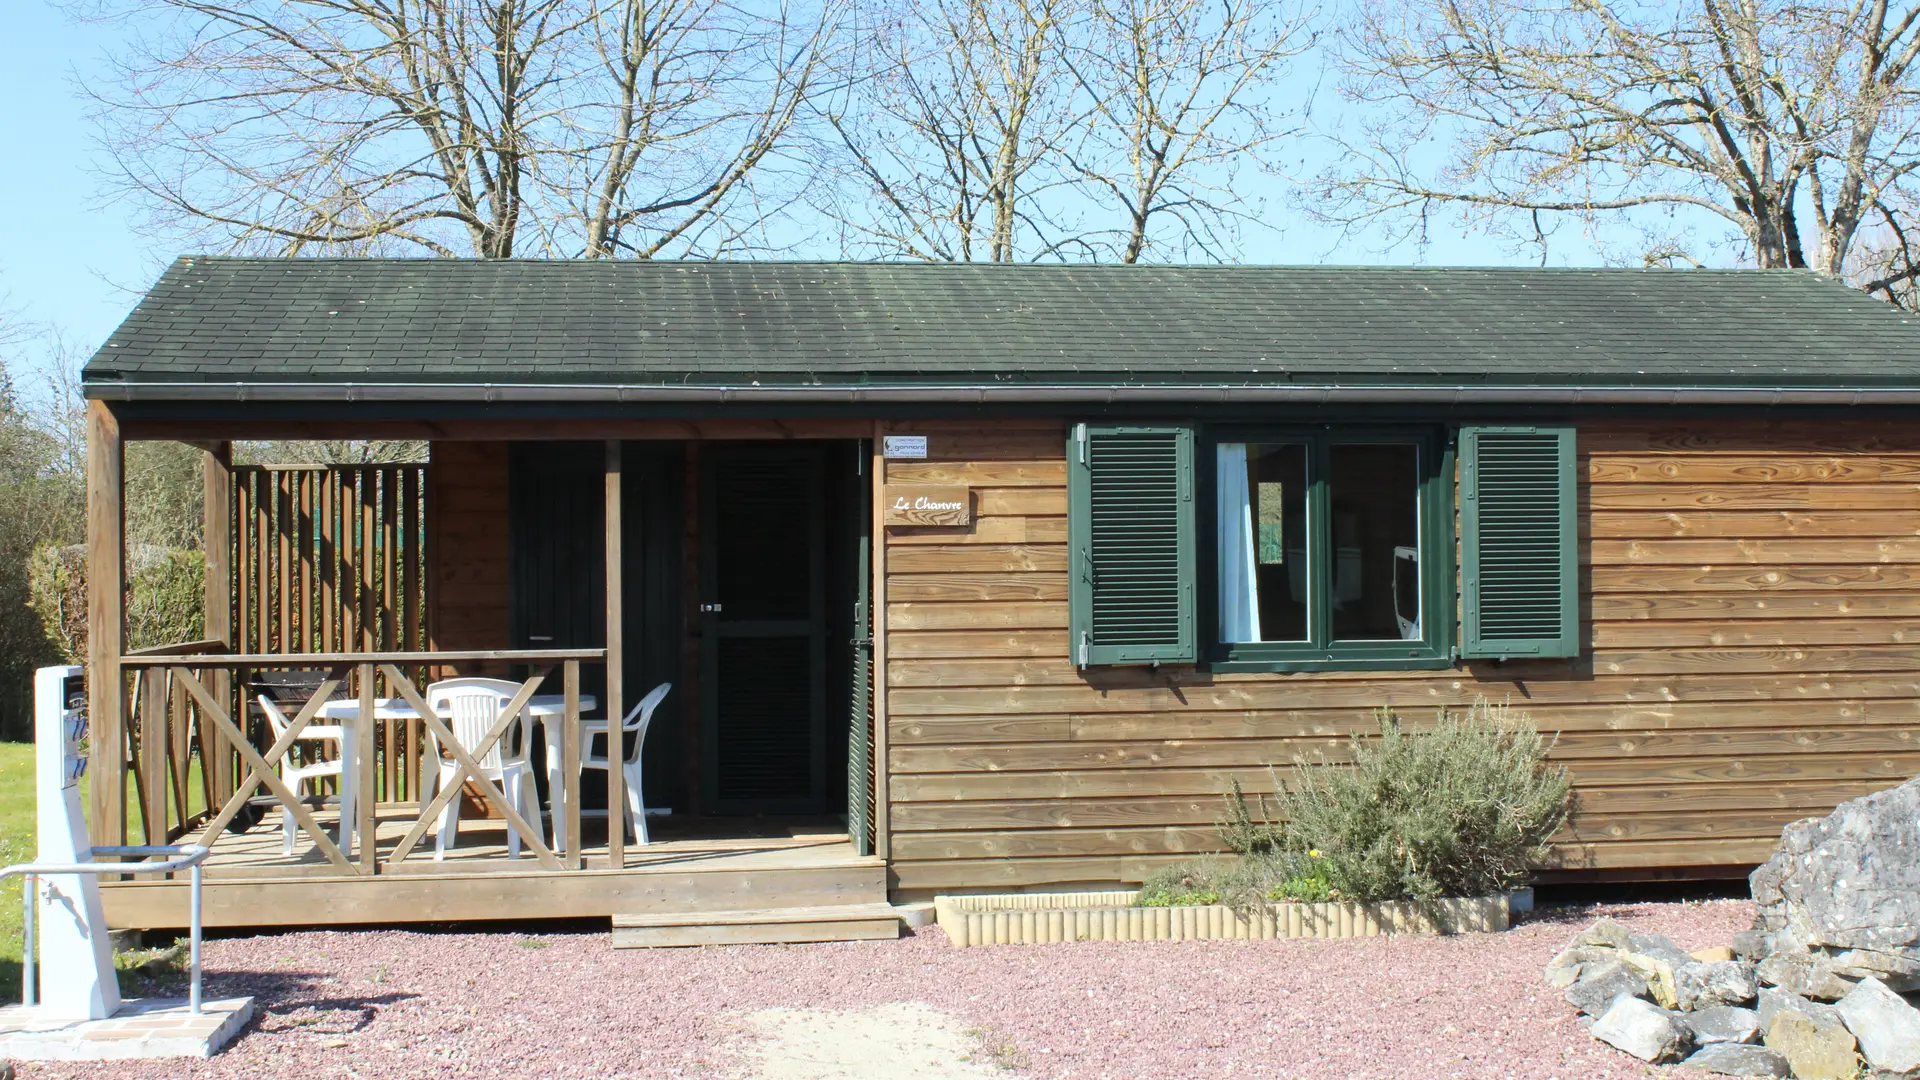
764, 629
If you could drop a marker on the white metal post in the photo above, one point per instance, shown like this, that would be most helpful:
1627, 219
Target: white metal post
193, 955
29, 979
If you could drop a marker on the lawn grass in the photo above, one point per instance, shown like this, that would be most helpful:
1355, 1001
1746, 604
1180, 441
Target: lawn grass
16, 846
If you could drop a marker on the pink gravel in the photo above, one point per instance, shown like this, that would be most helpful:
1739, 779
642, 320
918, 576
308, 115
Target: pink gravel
394, 1003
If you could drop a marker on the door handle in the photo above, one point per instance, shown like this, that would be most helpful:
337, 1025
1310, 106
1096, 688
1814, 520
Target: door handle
710, 609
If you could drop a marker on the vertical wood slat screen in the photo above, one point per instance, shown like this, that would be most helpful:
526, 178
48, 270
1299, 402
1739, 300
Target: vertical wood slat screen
332, 558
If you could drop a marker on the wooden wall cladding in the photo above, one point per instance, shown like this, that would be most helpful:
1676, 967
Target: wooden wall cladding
1752, 656
467, 523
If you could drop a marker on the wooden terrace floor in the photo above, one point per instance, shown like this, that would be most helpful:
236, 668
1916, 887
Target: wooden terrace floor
482, 845
692, 864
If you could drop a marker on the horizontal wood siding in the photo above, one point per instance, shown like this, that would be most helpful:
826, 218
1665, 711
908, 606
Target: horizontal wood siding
1751, 629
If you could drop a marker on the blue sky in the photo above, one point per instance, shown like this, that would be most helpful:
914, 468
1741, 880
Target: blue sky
71, 260
65, 259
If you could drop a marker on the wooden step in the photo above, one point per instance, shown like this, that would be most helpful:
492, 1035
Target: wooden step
760, 926
678, 888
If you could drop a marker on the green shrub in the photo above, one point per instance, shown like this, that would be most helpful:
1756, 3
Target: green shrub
1305, 881
164, 597
1250, 833
1462, 809
1183, 884
1243, 883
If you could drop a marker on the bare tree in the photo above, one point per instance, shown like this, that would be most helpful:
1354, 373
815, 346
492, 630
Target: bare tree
1792, 124
454, 127
1182, 97
953, 129
687, 74
1009, 130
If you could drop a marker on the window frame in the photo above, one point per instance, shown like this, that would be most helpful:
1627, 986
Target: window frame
1439, 556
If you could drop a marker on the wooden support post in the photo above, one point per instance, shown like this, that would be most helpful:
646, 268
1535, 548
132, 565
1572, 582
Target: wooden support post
567, 800
363, 794
151, 718
106, 621
179, 749
216, 545
881, 829
616, 657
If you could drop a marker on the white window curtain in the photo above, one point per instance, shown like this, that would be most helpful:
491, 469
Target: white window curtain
1239, 589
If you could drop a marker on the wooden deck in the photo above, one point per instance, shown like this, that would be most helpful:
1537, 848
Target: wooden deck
691, 865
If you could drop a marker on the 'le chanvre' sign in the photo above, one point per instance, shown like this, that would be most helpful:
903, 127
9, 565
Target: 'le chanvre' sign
924, 504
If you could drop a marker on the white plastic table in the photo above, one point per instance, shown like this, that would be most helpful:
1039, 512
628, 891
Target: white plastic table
548, 709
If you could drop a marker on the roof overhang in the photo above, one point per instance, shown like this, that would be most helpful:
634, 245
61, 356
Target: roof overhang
1066, 394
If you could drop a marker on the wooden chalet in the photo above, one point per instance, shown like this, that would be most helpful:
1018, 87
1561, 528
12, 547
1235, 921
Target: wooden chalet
991, 578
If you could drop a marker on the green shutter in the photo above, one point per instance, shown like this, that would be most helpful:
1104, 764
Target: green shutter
1519, 568
1130, 519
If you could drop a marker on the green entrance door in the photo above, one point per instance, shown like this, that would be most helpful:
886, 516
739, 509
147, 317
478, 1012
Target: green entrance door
763, 643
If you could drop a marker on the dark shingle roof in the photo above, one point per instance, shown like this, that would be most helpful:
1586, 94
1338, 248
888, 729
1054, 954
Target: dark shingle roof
418, 321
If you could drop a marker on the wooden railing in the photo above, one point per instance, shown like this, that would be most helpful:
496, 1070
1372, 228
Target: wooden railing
189, 709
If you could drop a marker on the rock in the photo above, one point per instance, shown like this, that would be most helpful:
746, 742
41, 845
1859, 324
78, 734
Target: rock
1734, 1059
1712, 953
1709, 984
1805, 975
1659, 975
1661, 947
1606, 934
1887, 1028
1655, 957
1564, 970
1839, 900
1599, 984
1646, 1031
1562, 977
1814, 1050
1771, 1002
1750, 944
1725, 1024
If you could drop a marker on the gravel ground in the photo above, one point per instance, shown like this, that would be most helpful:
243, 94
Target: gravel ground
391, 1004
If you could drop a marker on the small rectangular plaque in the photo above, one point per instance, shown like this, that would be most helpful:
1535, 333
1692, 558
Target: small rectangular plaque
905, 446
924, 504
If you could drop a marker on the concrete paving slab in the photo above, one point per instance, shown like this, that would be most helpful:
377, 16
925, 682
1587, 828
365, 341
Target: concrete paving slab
143, 1028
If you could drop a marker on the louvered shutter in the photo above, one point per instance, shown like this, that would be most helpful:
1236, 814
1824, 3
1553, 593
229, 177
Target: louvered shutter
1130, 519
1519, 569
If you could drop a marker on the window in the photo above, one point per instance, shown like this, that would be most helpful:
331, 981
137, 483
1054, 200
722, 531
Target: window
1331, 548
1327, 548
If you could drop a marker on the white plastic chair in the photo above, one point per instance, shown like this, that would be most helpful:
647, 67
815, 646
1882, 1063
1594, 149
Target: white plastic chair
471, 706
297, 777
636, 722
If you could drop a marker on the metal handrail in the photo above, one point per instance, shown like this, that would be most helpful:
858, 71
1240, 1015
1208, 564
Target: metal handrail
184, 857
